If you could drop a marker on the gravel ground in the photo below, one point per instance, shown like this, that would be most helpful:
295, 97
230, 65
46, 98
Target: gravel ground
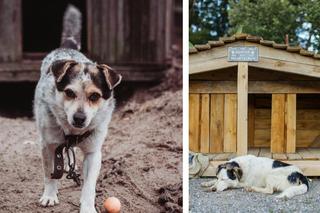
238, 200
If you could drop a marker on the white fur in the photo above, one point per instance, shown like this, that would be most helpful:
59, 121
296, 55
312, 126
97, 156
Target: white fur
259, 176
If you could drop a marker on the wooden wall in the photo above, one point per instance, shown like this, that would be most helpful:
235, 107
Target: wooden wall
213, 123
10, 31
126, 32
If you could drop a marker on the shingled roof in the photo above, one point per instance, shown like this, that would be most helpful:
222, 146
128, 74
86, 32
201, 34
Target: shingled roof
251, 38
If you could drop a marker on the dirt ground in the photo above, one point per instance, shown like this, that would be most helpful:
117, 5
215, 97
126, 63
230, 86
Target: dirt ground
142, 158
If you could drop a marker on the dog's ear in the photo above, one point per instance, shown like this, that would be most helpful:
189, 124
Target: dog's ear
221, 166
59, 68
112, 77
237, 171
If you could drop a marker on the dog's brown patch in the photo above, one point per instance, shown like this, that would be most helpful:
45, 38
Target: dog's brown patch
98, 80
64, 71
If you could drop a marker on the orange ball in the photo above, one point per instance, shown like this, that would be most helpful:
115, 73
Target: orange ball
112, 205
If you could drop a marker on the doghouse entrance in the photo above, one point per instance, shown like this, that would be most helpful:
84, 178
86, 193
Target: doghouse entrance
42, 24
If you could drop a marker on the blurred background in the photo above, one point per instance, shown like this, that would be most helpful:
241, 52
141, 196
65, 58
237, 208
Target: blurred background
271, 19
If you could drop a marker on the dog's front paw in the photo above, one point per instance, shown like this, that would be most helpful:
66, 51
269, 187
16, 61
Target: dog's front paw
49, 200
248, 189
87, 209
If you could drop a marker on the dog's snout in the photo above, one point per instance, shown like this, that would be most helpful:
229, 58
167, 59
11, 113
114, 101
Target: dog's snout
79, 118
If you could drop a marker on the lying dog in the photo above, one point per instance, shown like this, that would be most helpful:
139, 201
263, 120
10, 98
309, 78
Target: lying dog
259, 174
73, 98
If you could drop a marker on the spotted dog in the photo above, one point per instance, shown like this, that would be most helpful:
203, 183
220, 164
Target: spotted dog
259, 174
74, 96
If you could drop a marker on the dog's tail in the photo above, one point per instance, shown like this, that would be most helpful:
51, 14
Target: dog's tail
71, 33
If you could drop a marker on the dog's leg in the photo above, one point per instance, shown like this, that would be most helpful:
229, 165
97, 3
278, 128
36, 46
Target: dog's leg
209, 183
49, 197
293, 191
266, 190
91, 169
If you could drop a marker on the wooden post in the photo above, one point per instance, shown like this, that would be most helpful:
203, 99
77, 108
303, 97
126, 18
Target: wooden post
277, 123
291, 122
242, 118
204, 123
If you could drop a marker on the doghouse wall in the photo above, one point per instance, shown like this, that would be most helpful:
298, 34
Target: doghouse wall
307, 120
213, 122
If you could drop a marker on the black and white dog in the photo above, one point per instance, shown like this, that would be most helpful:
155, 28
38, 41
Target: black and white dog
74, 97
259, 174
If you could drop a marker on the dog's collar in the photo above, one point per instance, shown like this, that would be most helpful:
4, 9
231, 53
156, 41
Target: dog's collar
70, 142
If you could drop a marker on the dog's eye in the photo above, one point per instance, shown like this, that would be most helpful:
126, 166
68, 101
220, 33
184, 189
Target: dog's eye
94, 97
70, 94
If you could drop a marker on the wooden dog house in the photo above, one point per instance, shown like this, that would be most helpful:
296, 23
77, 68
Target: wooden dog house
267, 108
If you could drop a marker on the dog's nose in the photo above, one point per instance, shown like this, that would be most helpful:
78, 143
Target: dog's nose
79, 118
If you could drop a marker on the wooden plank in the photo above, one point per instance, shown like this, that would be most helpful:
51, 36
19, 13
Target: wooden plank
254, 151
277, 123
279, 156
287, 67
204, 123
262, 137
251, 122
220, 87
242, 116
315, 152
294, 156
209, 65
230, 123
194, 118
306, 154
309, 167
216, 122
10, 31
265, 152
222, 156
256, 87
291, 123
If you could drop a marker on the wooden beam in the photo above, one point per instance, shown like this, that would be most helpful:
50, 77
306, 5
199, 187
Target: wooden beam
242, 116
287, 66
291, 111
230, 123
216, 122
194, 127
256, 87
277, 123
204, 123
210, 65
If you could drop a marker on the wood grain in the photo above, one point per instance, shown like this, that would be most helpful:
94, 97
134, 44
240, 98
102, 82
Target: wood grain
216, 122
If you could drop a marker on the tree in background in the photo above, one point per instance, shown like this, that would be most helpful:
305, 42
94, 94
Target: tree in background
208, 20
271, 19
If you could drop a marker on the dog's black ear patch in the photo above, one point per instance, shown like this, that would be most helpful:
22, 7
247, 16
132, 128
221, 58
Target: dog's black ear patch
297, 177
112, 77
221, 166
235, 170
231, 174
277, 164
59, 70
